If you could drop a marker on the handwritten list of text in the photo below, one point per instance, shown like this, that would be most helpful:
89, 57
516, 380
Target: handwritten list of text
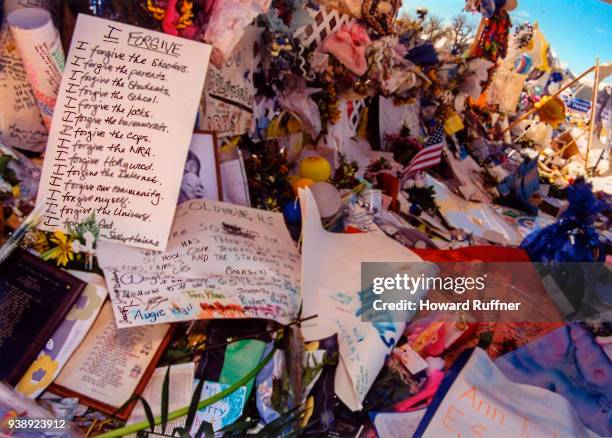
122, 127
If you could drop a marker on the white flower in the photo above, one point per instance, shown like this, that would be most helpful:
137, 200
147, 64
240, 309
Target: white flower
89, 240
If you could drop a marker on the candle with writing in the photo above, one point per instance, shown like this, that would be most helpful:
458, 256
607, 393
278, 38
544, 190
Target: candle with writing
121, 130
39, 45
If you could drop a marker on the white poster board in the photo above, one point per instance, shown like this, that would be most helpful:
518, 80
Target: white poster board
121, 129
222, 261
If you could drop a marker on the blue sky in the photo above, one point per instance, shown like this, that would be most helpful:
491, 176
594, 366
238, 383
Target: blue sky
577, 30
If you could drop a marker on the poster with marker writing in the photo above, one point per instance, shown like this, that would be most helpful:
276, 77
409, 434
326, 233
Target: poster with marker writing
121, 130
222, 261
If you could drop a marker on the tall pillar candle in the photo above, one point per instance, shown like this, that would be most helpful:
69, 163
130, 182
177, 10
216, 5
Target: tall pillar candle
39, 45
21, 124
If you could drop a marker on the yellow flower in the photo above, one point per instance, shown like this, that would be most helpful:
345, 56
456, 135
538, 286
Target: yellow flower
63, 251
158, 13
41, 244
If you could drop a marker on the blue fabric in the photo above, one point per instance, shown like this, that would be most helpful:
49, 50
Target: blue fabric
522, 184
573, 238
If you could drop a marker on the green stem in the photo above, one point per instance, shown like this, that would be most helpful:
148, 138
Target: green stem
132, 428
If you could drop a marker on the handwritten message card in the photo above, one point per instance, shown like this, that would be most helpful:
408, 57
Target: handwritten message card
222, 261
121, 130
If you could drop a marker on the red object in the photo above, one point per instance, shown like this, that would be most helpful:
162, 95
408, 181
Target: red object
429, 156
473, 253
390, 186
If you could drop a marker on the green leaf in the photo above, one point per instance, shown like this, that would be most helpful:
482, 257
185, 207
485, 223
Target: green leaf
193, 407
205, 429
148, 412
4, 160
164, 400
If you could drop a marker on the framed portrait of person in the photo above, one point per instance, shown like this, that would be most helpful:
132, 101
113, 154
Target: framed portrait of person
201, 175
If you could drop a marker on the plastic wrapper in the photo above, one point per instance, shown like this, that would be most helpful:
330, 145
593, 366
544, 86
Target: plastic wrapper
573, 238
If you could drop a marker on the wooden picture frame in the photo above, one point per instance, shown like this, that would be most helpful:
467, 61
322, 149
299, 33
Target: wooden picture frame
50, 293
197, 183
126, 410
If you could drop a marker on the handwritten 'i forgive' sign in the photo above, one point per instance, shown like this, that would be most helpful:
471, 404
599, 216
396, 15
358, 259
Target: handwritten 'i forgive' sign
121, 130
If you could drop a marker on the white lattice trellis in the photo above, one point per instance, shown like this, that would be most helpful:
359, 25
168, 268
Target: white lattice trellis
326, 21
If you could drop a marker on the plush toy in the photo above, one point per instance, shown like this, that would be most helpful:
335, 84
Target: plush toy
349, 45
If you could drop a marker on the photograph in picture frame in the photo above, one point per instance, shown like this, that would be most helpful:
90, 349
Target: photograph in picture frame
201, 176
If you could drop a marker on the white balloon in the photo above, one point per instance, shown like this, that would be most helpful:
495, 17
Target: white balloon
327, 197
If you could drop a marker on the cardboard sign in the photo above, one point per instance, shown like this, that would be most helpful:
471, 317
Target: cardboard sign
229, 90
577, 104
505, 90
222, 261
121, 130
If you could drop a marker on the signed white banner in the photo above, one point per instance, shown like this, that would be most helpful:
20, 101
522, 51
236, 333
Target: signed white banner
222, 261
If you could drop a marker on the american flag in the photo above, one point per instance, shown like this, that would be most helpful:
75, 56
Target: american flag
429, 156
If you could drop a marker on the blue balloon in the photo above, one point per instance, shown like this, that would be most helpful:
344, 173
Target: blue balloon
292, 213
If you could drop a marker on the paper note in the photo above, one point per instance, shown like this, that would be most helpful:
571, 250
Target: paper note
109, 363
225, 411
222, 261
121, 130
397, 424
331, 282
21, 125
179, 396
234, 182
40, 47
